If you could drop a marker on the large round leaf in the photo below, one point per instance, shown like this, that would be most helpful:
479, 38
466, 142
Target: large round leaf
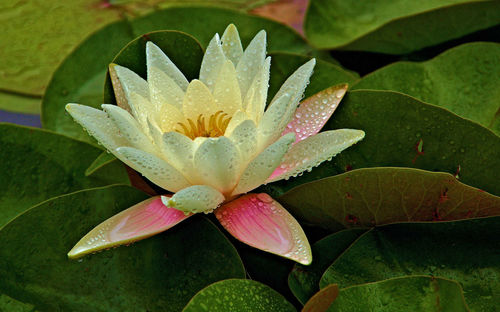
395, 26
238, 295
36, 36
157, 274
81, 76
464, 80
411, 294
404, 132
325, 74
466, 251
37, 165
304, 280
375, 196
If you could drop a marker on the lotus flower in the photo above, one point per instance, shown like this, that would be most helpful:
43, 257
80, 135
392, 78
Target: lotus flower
211, 141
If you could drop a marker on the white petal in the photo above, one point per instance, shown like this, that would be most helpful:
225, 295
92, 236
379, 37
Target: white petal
227, 91
217, 162
131, 82
179, 150
263, 165
156, 58
129, 128
212, 62
235, 121
169, 117
155, 169
155, 132
97, 124
296, 83
255, 100
198, 101
314, 150
244, 138
164, 89
195, 199
142, 109
251, 61
231, 44
272, 123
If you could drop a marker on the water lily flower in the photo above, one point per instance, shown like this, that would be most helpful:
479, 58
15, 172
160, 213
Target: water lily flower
210, 141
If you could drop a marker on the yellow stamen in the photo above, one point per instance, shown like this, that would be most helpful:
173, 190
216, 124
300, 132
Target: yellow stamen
217, 124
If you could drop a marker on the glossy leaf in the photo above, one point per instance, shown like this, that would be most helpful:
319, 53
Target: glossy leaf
37, 165
98, 51
463, 79
395, 27
304, 280
238, 295
9, 304
465, 251
36, 38
418, 138
411, 293
102, 160
324, 76
157, 274
375, 196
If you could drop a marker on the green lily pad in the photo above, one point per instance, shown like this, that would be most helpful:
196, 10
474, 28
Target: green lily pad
464, 80
102, 160
26, 104
157, 274
375, 196
203, 22
410, 293
9, 304
395, 27
304, 280
325, 73
402, 131
238, 295
38, 164
465, 251
71, 84
37, 36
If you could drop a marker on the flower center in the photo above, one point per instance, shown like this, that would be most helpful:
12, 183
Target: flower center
211, 127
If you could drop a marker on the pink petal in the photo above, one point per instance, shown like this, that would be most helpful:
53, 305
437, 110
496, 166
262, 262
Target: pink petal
261, 222
140, 221
314, 112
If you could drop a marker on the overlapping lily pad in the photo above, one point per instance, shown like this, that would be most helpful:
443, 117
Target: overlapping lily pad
412, 293
157, 274
325, 73
464, 80
375, 196
304, 280
238, 295
404, 132
36, 36
37, 165
465, 251
395, 27
72, 84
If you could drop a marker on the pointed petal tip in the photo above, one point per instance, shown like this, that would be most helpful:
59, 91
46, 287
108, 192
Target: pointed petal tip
261, 222
138, 222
